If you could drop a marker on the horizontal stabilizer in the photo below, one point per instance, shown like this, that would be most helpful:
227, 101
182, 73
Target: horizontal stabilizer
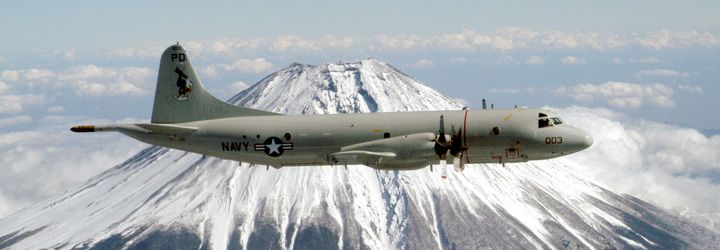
167, 129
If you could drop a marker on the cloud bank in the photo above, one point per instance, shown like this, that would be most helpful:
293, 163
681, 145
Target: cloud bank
42, 162
501, 40
88, 80
622, 94
673, 166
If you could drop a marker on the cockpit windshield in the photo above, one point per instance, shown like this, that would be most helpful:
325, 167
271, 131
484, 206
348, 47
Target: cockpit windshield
545, 121
556, 121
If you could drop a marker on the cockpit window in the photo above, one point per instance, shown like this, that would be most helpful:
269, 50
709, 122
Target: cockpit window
545, 121
556, 120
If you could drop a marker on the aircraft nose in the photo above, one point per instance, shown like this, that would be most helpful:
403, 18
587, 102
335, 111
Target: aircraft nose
578, 139
588, 141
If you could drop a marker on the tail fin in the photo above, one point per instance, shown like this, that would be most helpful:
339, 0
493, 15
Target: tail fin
180, 96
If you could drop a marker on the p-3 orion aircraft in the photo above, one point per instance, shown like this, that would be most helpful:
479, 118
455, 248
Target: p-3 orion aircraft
185, 116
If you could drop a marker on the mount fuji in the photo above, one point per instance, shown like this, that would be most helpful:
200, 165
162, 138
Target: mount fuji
164, 198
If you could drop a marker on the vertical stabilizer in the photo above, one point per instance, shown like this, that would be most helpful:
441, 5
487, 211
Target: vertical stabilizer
181, 97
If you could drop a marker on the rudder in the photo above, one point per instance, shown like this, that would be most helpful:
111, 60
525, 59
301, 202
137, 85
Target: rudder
181, 97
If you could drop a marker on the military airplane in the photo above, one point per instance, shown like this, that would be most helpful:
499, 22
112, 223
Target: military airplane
186, 117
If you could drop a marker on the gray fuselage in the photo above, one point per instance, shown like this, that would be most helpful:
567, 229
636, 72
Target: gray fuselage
492, 136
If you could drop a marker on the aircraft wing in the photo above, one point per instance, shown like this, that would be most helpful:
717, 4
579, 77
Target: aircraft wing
393, 149
360, 156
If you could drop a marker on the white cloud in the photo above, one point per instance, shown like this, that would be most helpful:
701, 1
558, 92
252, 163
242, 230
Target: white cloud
31, 74
11, 205
660, 73
98, 81
331, 41
86, 79
621, 94
238, 86
664, 39
226, 45
646, 60
659, 40
665, 164
292, 42
14, 120
571, 60
227, 91
502, 40
43, 161
422, 63
10, 75
254, 66
13, 104
68, 54
286, 42
469, 40
691, 89
399, 42
3, 87
535, 60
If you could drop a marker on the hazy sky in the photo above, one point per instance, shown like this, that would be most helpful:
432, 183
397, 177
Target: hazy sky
642, 64
101, 24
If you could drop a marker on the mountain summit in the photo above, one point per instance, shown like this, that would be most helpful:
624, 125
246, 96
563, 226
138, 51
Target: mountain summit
362, 87
163, 198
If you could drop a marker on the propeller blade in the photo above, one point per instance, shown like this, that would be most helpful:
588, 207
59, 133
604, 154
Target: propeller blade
460, 137
441, 145
443, 166
442, 130
458, 164
452, 130
456, 145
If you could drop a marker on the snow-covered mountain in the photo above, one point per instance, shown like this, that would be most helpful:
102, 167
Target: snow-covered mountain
164, 198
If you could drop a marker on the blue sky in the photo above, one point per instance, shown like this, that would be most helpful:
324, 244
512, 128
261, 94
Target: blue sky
64, 63
102, 24
58, 35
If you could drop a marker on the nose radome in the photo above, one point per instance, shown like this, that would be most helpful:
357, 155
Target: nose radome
578, 139
588, 140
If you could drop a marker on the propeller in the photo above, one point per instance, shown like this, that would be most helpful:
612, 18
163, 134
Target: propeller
456, 146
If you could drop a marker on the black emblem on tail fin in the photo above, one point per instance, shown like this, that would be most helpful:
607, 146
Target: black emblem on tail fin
184, 85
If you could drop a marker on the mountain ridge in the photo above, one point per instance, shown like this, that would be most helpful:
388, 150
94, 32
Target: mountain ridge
164, 198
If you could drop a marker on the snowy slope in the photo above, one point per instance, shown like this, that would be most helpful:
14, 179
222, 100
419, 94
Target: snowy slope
169, 198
